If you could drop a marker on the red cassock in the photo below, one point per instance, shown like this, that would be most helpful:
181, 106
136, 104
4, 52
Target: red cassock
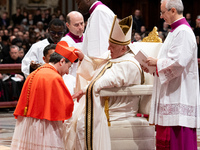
45, 95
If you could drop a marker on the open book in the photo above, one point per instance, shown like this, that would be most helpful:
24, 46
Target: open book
141, 57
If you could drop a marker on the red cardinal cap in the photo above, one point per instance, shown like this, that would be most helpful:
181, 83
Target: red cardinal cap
63, 49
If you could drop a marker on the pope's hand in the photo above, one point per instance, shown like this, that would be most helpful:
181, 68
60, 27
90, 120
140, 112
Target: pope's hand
79, 54
78, 95
145, 69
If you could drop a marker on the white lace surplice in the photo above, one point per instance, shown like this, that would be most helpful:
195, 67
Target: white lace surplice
175, 101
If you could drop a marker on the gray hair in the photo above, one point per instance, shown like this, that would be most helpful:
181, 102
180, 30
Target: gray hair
177, 4
40, 23
14, 46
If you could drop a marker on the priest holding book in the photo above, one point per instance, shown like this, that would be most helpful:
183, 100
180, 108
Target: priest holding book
175, 100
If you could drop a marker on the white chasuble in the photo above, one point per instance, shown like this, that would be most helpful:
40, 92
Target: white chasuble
90, 121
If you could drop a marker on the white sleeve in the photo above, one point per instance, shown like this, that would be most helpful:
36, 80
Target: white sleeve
86, 68
69, 40
180, 54
30, 55
120, 74
98, 32
35, 53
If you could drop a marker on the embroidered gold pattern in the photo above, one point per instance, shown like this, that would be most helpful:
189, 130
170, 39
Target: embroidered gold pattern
106, 109
89, 108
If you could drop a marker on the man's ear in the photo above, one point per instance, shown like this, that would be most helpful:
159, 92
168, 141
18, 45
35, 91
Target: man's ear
173, 10
123, 48
43, 58
62, 61
67, 24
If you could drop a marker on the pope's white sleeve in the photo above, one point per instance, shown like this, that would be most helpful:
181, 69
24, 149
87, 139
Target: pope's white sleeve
120, 74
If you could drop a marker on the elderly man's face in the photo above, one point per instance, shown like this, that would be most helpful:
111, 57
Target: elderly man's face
165, 14
116, 50
14, 53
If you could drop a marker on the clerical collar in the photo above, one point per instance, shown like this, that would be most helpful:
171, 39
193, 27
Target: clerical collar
76, 39
94, 5
50, 41
179, 22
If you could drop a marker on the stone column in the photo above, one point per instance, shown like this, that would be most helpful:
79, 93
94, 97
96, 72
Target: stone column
14, 7
70, 6
64, 6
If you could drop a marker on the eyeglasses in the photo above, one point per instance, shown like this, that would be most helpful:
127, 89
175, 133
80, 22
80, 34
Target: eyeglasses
58, 33
163, 12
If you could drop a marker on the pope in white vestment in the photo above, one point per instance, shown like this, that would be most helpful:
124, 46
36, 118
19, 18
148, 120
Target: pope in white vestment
90, 123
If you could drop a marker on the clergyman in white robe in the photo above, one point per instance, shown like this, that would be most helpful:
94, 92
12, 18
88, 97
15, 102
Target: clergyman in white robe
175, 100
97, 30
124, 71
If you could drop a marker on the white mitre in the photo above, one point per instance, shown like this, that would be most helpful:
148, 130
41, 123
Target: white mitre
121, 31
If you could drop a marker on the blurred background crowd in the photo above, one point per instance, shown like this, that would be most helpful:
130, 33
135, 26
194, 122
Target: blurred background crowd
24, 29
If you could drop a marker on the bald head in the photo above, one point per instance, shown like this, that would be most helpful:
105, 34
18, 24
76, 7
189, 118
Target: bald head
75, 23
73, 15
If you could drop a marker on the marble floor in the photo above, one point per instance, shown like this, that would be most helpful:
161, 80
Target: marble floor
7, 124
